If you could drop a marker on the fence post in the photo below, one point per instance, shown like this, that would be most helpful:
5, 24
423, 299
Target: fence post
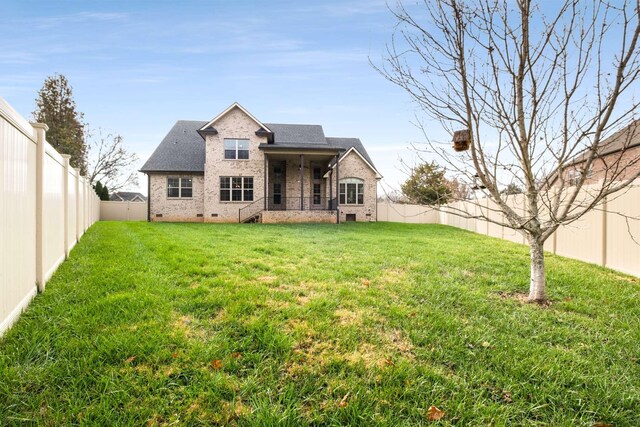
605, 207
41, 131
65, 191
77, 188
86, 202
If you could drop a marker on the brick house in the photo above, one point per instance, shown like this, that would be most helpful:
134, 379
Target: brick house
127, 196
235, 168
618, 159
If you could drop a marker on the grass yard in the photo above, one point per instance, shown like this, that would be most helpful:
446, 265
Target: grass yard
357, 324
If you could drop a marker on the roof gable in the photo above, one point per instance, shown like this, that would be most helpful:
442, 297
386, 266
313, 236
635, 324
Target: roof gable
356, 152
208, 126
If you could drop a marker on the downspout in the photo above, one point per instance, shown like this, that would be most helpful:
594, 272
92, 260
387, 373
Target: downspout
301, 182
337, 189
148, 198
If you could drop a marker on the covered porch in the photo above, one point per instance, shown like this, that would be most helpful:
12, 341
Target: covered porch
301, 183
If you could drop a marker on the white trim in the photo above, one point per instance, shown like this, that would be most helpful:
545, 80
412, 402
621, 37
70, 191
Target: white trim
378, 176
353, 181
17, 311
179, 187
231, 107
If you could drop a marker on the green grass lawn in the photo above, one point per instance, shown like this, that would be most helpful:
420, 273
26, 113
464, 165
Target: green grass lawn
357, 324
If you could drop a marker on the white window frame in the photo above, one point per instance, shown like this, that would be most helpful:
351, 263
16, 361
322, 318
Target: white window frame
180, 187
343, 195
243, 188
237, 150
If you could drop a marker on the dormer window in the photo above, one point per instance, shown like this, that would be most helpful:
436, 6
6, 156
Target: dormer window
236, 149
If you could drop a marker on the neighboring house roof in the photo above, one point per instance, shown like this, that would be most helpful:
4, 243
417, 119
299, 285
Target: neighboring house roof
624, 139
127, 196
183, 149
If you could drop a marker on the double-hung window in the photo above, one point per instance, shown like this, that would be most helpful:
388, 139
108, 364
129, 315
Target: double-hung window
236, 149
351, 191
179, 187
236, 188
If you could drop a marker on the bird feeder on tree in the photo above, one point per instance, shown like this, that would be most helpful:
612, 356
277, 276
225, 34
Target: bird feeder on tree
461, 140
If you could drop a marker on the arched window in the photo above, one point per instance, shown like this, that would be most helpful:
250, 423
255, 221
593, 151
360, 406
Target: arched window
352, 191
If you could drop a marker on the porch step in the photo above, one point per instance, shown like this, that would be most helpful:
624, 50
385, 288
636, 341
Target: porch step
253, 218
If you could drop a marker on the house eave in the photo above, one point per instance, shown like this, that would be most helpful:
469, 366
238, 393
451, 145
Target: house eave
148, 172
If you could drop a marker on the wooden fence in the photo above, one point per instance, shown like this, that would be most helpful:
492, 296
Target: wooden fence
45, 207
608, 235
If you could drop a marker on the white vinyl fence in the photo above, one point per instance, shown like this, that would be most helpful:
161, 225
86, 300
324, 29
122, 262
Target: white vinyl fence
45, 207
123, 211
608, 235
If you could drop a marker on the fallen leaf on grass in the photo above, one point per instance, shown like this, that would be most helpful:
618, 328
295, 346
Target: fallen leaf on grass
343, 402
216, 364
506, 396
366, 282
413, 314
174, 355
130, 360
434, 413
237, 355
389, 362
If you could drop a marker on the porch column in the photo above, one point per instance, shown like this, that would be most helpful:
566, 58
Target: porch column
266, 182
301, 182
330, 188
337, 189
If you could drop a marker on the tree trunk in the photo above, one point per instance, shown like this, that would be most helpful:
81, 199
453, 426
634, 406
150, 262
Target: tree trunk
538, 282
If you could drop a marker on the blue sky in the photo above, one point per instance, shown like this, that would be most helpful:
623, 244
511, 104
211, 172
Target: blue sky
137, 67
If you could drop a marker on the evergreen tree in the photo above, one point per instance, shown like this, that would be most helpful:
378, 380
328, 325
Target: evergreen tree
98, 189
427, 185
55, 107
105, 193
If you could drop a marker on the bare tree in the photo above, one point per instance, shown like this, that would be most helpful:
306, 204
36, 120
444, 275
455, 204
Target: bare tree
110, 162
537, 86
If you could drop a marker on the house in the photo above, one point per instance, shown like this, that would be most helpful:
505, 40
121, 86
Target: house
127, 196
617, 159
235, 168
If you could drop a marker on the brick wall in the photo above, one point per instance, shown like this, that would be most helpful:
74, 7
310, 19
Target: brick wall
237, 125
176, 209
352, 166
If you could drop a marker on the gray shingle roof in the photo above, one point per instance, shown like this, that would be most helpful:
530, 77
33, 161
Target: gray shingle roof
287, 134
183, 149
624, 139
126, 196
347, 143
